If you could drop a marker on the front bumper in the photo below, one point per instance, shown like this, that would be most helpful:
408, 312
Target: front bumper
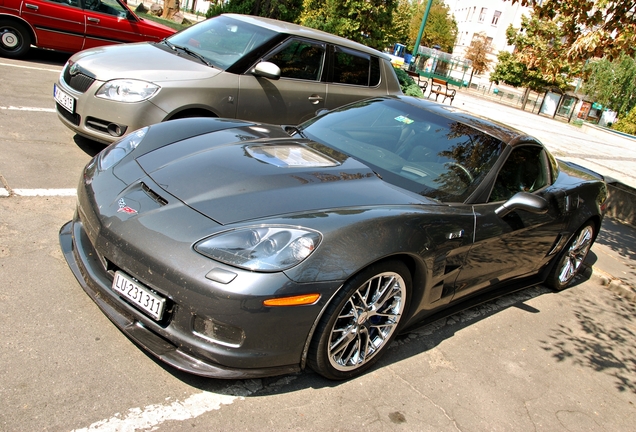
102, 120
275, 338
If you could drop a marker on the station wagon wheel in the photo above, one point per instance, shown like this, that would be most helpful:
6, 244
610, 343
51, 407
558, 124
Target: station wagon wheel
570, 261
361, 321
15, 39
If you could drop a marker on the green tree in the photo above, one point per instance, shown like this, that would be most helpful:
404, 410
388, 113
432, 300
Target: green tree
440, 29
284, 10
539, 59
508, 70
364, 21
478, 53
627, 124
612, 83
592, 28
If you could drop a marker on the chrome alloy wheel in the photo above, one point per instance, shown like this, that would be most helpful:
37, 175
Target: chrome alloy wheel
367, 321
576, 254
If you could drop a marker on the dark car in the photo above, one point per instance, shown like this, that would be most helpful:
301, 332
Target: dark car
71, 25
231, 66
233, 249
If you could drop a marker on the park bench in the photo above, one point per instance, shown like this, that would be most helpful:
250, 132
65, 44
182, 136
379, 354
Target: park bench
440, 87
422, 82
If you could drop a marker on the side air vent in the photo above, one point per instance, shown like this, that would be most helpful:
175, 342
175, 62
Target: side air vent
154, 195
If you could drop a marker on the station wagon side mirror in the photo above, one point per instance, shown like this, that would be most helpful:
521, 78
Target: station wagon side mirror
523, 201
266, 70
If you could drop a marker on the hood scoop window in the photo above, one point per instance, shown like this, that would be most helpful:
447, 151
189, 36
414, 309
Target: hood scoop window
290, 156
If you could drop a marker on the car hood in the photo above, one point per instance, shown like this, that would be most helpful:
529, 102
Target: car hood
145, 61
251, 180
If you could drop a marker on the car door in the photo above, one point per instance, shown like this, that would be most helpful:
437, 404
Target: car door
293, 98
108, 21
58, 24
517, 244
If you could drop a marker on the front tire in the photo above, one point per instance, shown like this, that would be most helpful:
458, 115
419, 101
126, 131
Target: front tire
361, 322
570, 260
15, 39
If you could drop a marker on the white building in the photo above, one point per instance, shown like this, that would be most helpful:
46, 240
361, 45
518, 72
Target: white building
489, 17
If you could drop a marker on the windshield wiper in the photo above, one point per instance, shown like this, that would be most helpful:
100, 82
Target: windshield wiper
193, 54
293, 130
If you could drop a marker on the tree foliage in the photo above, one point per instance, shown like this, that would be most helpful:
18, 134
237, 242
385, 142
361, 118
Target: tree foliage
284, 10
612, 83
539, 59
478, 52
440, 29
592, 28
363, 21
627, 124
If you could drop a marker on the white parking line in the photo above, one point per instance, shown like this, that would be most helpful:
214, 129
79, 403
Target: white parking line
153, 415
38, 192
31, 67
52, 110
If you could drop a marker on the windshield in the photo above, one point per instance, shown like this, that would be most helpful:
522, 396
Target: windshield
221, 41
409, 146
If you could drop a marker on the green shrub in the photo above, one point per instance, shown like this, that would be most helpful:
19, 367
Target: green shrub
627, 124
408, 84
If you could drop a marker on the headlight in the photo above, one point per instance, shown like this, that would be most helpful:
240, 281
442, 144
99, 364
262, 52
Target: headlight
127, 90
267, 248
117, 151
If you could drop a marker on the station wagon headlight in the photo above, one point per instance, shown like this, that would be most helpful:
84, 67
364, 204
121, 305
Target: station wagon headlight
127, 90
118, 150
263, 248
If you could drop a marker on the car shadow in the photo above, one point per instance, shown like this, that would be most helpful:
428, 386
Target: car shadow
43, 56
415, 342
88, 146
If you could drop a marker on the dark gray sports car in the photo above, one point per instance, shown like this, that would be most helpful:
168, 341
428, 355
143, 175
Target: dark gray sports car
231, 249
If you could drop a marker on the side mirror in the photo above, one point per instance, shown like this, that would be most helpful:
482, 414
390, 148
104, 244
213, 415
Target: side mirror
523, 201
266, 70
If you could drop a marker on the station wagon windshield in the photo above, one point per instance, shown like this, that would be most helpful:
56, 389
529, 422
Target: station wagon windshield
222, 41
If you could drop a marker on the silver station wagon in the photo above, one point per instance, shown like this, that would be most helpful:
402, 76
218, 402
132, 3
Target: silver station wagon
231, 66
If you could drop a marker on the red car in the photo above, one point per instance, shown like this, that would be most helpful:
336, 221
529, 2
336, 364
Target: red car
71, 25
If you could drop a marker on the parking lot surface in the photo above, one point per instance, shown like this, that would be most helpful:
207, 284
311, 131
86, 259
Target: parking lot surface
531, 361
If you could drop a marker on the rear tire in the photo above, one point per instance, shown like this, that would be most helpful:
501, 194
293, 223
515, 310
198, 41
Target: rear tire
570, 261
361, 321
15, 39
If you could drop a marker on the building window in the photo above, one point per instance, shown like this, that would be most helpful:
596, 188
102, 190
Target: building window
482, 14
495, 18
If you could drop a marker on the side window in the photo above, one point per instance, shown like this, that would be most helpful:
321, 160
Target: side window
67, 2
353, 67
300, 59
526, 170
110, 7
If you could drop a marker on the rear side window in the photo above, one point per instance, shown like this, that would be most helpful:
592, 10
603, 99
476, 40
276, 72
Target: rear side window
355, 68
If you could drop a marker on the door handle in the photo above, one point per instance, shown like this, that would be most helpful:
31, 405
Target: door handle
315, 99
91, 19
31, 6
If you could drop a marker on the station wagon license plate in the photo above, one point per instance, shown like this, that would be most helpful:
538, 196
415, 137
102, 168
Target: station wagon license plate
140, 296
64, 99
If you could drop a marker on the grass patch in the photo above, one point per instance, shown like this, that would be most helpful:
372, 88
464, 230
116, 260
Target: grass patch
165, 22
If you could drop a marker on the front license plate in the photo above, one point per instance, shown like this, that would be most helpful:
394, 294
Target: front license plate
141, 297
64, 99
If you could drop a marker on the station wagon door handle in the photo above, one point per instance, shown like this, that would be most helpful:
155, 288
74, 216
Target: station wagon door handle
315, 99
31, 6
91, 19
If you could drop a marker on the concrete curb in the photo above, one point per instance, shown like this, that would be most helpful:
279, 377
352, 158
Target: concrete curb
613, 284
621, 202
